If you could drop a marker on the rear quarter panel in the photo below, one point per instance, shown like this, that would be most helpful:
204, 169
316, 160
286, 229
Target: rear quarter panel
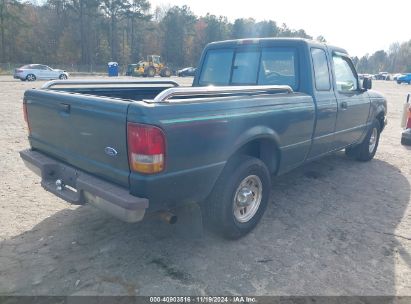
201, 136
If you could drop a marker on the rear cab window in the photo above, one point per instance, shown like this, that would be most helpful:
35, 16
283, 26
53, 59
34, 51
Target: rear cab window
250, 66
217, 67
245, 67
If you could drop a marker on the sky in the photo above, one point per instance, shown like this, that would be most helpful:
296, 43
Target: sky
361, 26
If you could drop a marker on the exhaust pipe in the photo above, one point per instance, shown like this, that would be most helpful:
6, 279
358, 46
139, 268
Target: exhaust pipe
168, 217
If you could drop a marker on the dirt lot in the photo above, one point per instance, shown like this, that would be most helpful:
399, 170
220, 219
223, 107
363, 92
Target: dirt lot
334, 227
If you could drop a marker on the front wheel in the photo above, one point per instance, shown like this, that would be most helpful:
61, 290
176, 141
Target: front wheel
166, 72
63, 77
239, 198
150, 72
366, 150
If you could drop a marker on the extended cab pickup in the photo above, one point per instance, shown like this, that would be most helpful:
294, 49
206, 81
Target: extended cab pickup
257, 108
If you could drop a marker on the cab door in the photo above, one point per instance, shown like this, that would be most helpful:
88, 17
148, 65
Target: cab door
326, 104
49, 73
39, 71
353, 102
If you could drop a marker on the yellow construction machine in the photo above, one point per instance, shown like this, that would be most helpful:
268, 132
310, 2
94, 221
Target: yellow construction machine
150, 68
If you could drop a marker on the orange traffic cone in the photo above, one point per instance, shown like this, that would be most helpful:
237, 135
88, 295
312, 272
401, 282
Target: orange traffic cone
406, 135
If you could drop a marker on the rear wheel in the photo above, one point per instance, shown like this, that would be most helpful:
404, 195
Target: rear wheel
366, 150
30, 77
239, 198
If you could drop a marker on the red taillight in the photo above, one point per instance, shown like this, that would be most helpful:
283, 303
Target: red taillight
146, 148
26, 115
19, 71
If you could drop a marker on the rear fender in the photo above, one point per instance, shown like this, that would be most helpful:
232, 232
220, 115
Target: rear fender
269, 141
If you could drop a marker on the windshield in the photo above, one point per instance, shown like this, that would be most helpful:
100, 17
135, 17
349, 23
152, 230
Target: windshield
266, 66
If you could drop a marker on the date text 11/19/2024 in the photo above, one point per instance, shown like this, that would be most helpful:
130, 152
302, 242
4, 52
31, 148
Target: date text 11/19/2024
203, 299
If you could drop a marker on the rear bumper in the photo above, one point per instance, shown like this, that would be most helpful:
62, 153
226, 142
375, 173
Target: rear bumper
78, 187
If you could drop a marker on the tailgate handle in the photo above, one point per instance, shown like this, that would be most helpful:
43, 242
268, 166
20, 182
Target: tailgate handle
65, 107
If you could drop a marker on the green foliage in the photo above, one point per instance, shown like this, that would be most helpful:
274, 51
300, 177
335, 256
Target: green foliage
397, 60
178, 29
93, 32
9, 18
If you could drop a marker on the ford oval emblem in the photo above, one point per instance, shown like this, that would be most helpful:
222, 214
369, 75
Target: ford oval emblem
110, 151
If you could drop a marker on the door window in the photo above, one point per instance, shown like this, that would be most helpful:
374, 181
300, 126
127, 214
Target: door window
321, 72
345, 77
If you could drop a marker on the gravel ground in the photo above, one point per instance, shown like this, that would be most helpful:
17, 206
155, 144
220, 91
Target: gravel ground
334, 227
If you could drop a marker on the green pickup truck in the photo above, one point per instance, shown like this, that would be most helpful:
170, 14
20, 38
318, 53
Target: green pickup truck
257, 108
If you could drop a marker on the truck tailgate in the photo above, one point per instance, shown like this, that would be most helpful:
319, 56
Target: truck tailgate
87, 132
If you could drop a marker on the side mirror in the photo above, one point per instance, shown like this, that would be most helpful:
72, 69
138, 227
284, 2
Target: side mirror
367, 83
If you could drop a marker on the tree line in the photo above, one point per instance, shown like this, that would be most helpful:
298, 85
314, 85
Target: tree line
86, 33
93, 32
396, 60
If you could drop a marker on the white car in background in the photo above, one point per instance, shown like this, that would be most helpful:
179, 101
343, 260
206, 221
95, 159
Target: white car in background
396, 76
31, 72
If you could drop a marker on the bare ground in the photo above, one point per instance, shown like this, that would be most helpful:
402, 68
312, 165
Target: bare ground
334, 227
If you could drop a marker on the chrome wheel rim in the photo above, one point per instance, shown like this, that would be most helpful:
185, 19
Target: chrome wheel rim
247, 198
373, 140
30, 78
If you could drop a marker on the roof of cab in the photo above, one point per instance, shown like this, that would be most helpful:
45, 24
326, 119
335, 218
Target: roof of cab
290, 41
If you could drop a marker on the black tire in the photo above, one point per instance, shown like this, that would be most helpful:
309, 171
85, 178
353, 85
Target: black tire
364, 151
150, 72
219, 207
166, 72
31, 77
406, 137
63, 77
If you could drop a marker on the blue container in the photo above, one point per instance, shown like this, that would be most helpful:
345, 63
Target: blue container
113, 69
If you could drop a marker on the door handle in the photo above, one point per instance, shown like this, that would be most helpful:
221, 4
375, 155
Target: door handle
344, 105
64, 107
